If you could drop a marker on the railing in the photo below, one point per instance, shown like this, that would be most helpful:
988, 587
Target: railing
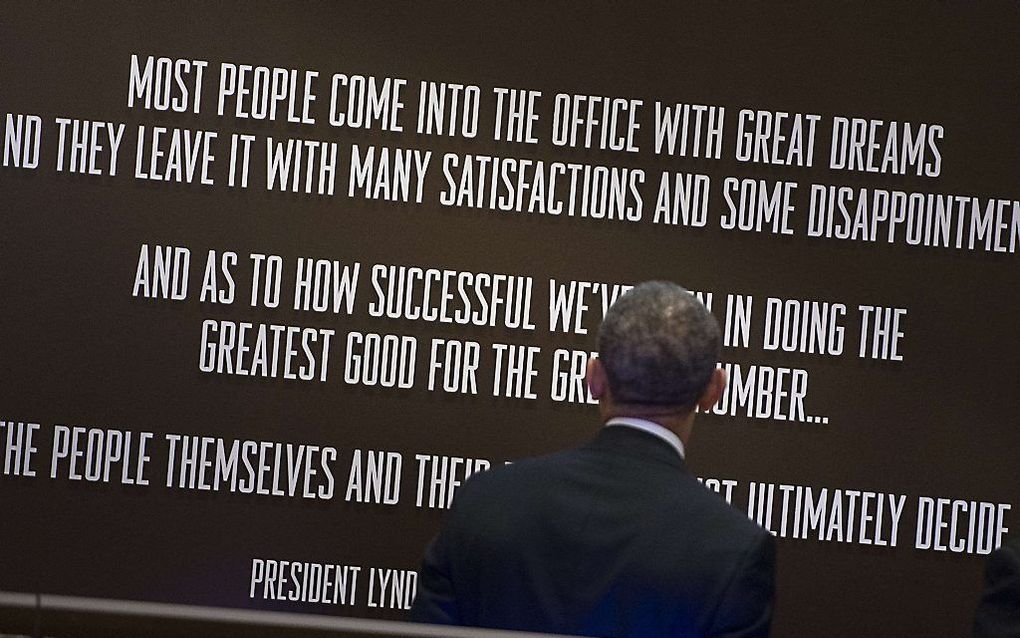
49, 615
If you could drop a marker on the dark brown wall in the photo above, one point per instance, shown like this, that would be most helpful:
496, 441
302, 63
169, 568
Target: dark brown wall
77, 349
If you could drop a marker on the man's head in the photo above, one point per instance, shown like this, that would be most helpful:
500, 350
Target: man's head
658, 349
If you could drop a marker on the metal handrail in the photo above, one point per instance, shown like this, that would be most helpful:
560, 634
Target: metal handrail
70, 616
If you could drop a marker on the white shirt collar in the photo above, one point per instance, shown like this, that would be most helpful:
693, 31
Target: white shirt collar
651, 428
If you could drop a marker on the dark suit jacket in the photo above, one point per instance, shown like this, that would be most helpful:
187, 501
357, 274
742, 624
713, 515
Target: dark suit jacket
998, 614
614, 538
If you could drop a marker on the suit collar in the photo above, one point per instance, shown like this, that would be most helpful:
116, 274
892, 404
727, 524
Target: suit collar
636, 443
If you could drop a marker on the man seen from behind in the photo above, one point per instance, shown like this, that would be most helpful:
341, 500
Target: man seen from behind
616, 537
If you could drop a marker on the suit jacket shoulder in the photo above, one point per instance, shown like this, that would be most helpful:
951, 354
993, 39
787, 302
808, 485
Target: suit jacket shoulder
998, 614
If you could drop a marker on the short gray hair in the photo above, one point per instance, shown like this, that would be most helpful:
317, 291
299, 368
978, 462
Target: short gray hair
659, 346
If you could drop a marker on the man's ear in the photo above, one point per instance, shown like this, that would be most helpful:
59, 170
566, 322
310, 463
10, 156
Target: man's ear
713, 391
598, 383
